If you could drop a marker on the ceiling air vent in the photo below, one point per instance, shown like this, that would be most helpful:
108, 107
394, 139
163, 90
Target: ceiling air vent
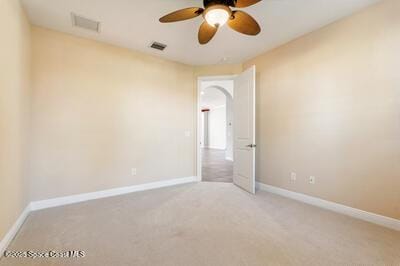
85, 23
158, 46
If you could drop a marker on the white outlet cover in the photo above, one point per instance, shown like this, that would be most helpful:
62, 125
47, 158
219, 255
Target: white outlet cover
187, 133
293, 177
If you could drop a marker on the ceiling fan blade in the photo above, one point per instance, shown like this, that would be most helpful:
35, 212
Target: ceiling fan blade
244, 3
182, 14
244, 23
206, 32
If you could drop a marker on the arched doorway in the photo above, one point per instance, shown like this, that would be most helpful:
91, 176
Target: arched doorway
217, 131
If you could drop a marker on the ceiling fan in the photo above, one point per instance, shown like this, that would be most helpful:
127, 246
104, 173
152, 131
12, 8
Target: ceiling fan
216, 13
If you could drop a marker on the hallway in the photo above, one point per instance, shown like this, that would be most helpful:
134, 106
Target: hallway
215, 168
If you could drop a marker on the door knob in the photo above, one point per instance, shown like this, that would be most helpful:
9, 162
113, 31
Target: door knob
251, 145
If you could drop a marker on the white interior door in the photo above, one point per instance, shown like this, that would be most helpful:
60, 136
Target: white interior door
244, 130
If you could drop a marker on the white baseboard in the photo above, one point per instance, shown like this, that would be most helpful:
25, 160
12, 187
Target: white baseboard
14, 230
343, 209
48, 203
229, 159
54, 202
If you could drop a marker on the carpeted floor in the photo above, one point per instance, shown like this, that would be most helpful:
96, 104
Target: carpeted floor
203, 224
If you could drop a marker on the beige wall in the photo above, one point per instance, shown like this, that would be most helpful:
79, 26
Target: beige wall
329, 106
100, 110
217, 70
14, 111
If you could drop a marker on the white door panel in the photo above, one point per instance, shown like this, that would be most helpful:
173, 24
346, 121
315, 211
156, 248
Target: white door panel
244, 130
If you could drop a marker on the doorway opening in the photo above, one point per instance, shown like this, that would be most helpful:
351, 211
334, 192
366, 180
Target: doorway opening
216, 128
239, 125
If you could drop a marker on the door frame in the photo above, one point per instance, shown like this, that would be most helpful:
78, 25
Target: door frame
200, 79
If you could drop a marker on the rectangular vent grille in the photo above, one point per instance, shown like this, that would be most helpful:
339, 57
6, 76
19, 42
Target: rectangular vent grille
158, 46
85, 23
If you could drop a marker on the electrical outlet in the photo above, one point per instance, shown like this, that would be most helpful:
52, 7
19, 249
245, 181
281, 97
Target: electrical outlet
312, 180
293, 177
133, 171
187, 133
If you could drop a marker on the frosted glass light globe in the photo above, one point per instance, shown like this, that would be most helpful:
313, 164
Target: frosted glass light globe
217, 16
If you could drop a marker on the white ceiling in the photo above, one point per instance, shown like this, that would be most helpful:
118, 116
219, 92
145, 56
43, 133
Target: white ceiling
134, 24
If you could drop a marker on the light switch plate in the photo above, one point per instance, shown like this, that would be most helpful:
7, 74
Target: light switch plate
133, 171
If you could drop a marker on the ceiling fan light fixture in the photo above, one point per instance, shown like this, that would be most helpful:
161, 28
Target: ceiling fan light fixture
217, 15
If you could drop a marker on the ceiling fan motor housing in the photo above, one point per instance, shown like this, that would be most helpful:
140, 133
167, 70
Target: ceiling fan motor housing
208, 3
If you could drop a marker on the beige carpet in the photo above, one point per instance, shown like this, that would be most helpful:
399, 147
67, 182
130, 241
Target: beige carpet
203, 224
